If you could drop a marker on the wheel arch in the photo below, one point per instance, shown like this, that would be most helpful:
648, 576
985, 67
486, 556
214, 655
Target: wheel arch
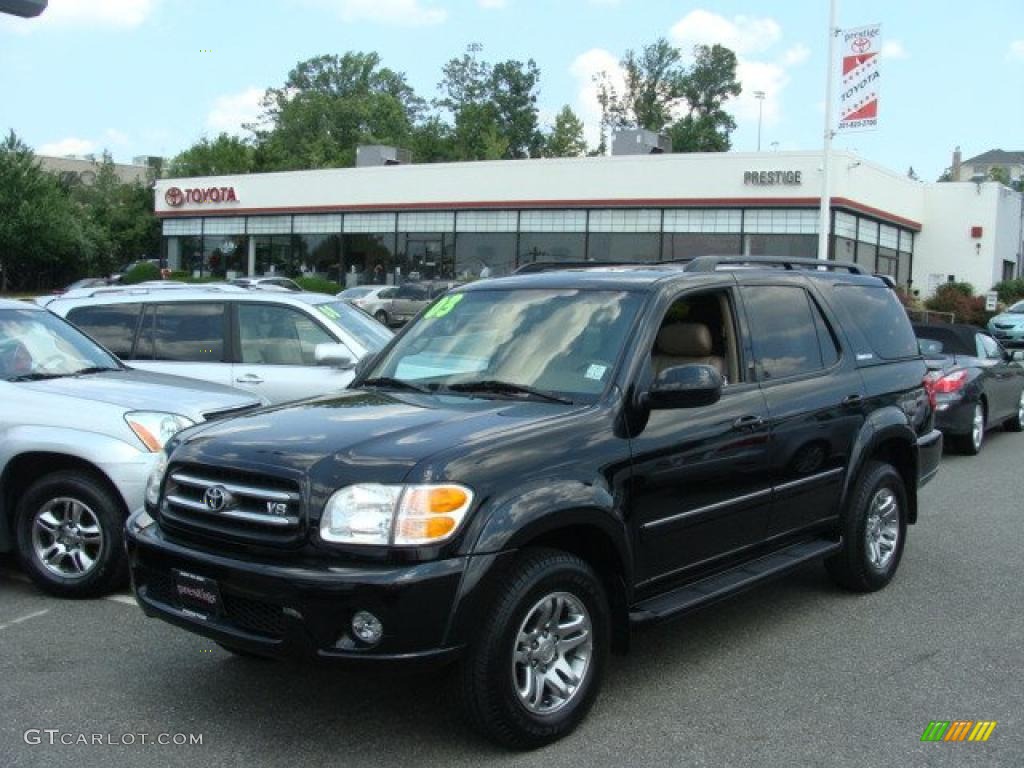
26, 468
894, 443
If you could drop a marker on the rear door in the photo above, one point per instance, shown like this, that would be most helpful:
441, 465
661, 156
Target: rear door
185, 338
1003, 378
814, 396
276, 353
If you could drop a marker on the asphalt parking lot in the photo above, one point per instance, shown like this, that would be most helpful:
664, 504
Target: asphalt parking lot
794, 673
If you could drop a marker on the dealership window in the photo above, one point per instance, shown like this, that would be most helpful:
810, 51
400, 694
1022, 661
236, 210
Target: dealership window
844, 249
552, 246
424, 256
487, 221
867, 244
225, 255
484, 254
553, 221
318, 255
625, 220
683, 246
317, 224
887, 263
781, 232
274, 255
793, 246
1008, 269
622, 246
368, 258
703, 221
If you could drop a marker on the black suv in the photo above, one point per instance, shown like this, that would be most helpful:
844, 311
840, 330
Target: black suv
539, 463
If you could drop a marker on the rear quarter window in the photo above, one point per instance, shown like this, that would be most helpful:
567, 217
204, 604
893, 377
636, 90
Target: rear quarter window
877, 324
113, 325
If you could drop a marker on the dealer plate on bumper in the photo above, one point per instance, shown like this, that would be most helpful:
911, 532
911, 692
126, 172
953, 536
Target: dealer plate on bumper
197, 595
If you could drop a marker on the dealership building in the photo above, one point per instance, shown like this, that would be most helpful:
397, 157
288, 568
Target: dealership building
391, 223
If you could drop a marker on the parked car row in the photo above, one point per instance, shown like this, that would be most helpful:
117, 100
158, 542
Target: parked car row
394, 304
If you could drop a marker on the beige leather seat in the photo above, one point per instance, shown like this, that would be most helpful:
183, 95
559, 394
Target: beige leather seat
683, 344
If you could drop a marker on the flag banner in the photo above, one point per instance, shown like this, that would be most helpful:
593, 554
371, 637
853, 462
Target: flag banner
860, 50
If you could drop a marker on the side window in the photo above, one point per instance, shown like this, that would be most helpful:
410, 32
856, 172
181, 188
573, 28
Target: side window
113, 325
185, 333
278, 335
826, 337
387, 293
698, 328
882, 323
988, 347
784, 331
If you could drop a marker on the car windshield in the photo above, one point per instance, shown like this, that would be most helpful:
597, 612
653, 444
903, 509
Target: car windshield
354, 293
366, 330
564, 342
38, 345
1017, 309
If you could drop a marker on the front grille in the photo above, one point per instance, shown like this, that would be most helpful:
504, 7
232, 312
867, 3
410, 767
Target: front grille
253, 616
228, 504
1004, 326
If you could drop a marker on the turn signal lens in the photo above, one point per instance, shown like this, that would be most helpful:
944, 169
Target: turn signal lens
429, 514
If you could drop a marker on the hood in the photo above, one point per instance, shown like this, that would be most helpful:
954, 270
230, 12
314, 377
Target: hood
358, 435
137, 390
1009, 318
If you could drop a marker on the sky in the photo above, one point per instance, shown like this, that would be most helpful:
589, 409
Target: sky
151, 77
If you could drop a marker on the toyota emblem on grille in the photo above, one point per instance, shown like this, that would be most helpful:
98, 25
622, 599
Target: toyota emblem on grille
216, 498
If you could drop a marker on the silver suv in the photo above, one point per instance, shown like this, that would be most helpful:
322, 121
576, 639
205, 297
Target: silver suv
79, 435
281, 346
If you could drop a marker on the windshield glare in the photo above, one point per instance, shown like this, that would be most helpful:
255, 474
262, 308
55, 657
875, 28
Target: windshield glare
367, 331
559, 341
33, 342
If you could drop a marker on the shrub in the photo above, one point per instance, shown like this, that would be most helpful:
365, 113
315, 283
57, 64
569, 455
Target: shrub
1010, 291
318, 285
140, 273
958, 298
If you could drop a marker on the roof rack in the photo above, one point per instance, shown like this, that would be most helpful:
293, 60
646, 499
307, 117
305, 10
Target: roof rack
712, 263
143, 289
553, 266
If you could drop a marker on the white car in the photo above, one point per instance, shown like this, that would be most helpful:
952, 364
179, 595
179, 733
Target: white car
80, 434
278, 345
372, 299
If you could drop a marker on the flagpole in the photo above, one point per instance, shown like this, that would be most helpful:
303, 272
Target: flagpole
826, 155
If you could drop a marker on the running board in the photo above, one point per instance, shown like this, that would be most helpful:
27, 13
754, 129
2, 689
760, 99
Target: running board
727, 583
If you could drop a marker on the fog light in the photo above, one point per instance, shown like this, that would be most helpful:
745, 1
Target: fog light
367, 627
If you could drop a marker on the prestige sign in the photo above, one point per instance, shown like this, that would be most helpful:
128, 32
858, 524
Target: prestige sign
177, 197
771, 178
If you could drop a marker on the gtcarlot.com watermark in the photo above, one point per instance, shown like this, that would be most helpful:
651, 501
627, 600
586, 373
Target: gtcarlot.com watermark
57, 737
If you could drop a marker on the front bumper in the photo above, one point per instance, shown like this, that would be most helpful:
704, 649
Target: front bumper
1012, 338
302, 611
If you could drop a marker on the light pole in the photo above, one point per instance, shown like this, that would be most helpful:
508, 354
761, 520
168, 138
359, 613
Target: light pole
759, 95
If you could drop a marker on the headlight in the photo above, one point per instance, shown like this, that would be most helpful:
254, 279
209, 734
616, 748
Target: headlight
154, 429
402, 515
156, 477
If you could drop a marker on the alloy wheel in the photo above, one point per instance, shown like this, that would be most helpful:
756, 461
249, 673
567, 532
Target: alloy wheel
978, 426
882, 531
67, 538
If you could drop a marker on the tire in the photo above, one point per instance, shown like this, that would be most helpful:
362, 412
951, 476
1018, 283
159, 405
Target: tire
501, 659
859, 566
70, 535
970, 444
244, 654
381, 316
1016, 422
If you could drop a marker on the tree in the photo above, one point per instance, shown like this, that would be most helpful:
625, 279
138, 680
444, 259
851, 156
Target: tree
42, 237
1000, 174
329, 105
566, 137
513, 91
222, 155
660, 93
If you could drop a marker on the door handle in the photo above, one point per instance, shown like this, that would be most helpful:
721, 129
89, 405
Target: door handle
748, 422
852, 400
249, 378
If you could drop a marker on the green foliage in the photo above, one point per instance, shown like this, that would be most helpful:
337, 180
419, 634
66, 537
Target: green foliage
1010, 291
959, 299
140, 273
1000, 174
658, 86
566, 137
222, 155
318, 285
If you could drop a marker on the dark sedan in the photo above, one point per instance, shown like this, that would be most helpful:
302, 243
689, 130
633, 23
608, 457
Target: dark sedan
975, 383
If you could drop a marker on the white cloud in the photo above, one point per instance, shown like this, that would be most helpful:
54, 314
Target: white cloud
117, 13
796, 55
893, 49
584, 67
114, 136
230, 112
492, 4
743, 34
1016, 50
68, 146
409, 13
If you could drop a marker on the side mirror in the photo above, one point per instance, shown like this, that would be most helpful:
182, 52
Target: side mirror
685, 386
334, 355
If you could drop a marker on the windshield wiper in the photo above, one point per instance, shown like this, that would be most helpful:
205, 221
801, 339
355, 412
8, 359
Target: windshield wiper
391, 381
38, 376
506, 388
94, 369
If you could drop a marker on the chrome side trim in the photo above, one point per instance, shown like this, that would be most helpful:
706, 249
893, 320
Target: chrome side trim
809, 479
234, 514
708, 508
235, 488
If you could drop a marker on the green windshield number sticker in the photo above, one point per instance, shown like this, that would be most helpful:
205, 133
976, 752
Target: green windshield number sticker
444, 306
329, 311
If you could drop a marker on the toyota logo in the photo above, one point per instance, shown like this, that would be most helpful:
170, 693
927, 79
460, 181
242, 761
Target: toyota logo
174, 197
861, 45
216, 498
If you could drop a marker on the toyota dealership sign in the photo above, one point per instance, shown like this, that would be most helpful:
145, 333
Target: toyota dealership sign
176, 197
